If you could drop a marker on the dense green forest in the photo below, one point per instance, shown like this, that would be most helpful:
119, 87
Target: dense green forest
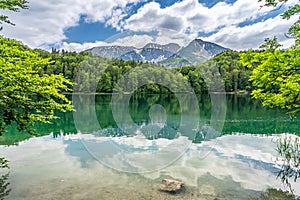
87, 70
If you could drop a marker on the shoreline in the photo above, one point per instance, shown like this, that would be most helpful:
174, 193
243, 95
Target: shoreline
129, 93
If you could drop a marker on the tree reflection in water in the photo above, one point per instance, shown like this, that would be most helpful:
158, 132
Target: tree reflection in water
4, 190
288, 148
274, 194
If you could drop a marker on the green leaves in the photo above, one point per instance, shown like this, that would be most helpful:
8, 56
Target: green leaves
276, 77
3, 163
294, 30
12, 5
235, 76
291, 11
270, 44
276, 73
272, 2
288, 148
25, 96
4, 184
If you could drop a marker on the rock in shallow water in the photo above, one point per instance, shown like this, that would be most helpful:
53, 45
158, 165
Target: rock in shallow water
169, 185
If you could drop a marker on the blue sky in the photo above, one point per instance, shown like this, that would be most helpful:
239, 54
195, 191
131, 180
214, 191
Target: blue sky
78, 25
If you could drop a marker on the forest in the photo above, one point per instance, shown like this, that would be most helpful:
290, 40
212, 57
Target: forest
89, 70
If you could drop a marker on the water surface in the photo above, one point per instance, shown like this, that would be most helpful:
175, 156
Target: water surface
113, 161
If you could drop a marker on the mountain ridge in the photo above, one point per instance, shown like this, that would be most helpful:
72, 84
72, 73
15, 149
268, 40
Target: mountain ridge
168, 55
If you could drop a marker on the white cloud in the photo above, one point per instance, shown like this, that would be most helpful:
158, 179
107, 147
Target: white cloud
80, 47
45, 22
165, 36
227, 156
253, 36
191, 14
191, 17
238, 162
131, 40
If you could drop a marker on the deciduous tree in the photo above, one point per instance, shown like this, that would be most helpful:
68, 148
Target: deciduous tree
276, 73
12, 5
26, 96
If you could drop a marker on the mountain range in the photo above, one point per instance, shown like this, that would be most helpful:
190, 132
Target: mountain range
169, 55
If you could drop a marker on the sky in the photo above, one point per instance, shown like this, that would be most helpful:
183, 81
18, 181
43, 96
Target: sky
76, 25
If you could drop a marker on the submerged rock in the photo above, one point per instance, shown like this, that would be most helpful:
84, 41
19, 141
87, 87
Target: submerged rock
169, 185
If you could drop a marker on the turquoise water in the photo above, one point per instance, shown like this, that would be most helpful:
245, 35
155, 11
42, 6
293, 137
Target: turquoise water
223, 150
242, 115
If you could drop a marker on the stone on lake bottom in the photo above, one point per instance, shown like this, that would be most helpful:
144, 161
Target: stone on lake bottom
169, 185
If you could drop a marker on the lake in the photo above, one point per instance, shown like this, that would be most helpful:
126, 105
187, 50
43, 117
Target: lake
122, 146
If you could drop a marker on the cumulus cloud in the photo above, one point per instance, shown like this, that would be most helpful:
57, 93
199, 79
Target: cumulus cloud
45, 23
252, 36
136, 39
193, 14
190, 17
172, 23
80, 47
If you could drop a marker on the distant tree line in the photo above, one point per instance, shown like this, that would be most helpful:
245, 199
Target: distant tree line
96, 74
